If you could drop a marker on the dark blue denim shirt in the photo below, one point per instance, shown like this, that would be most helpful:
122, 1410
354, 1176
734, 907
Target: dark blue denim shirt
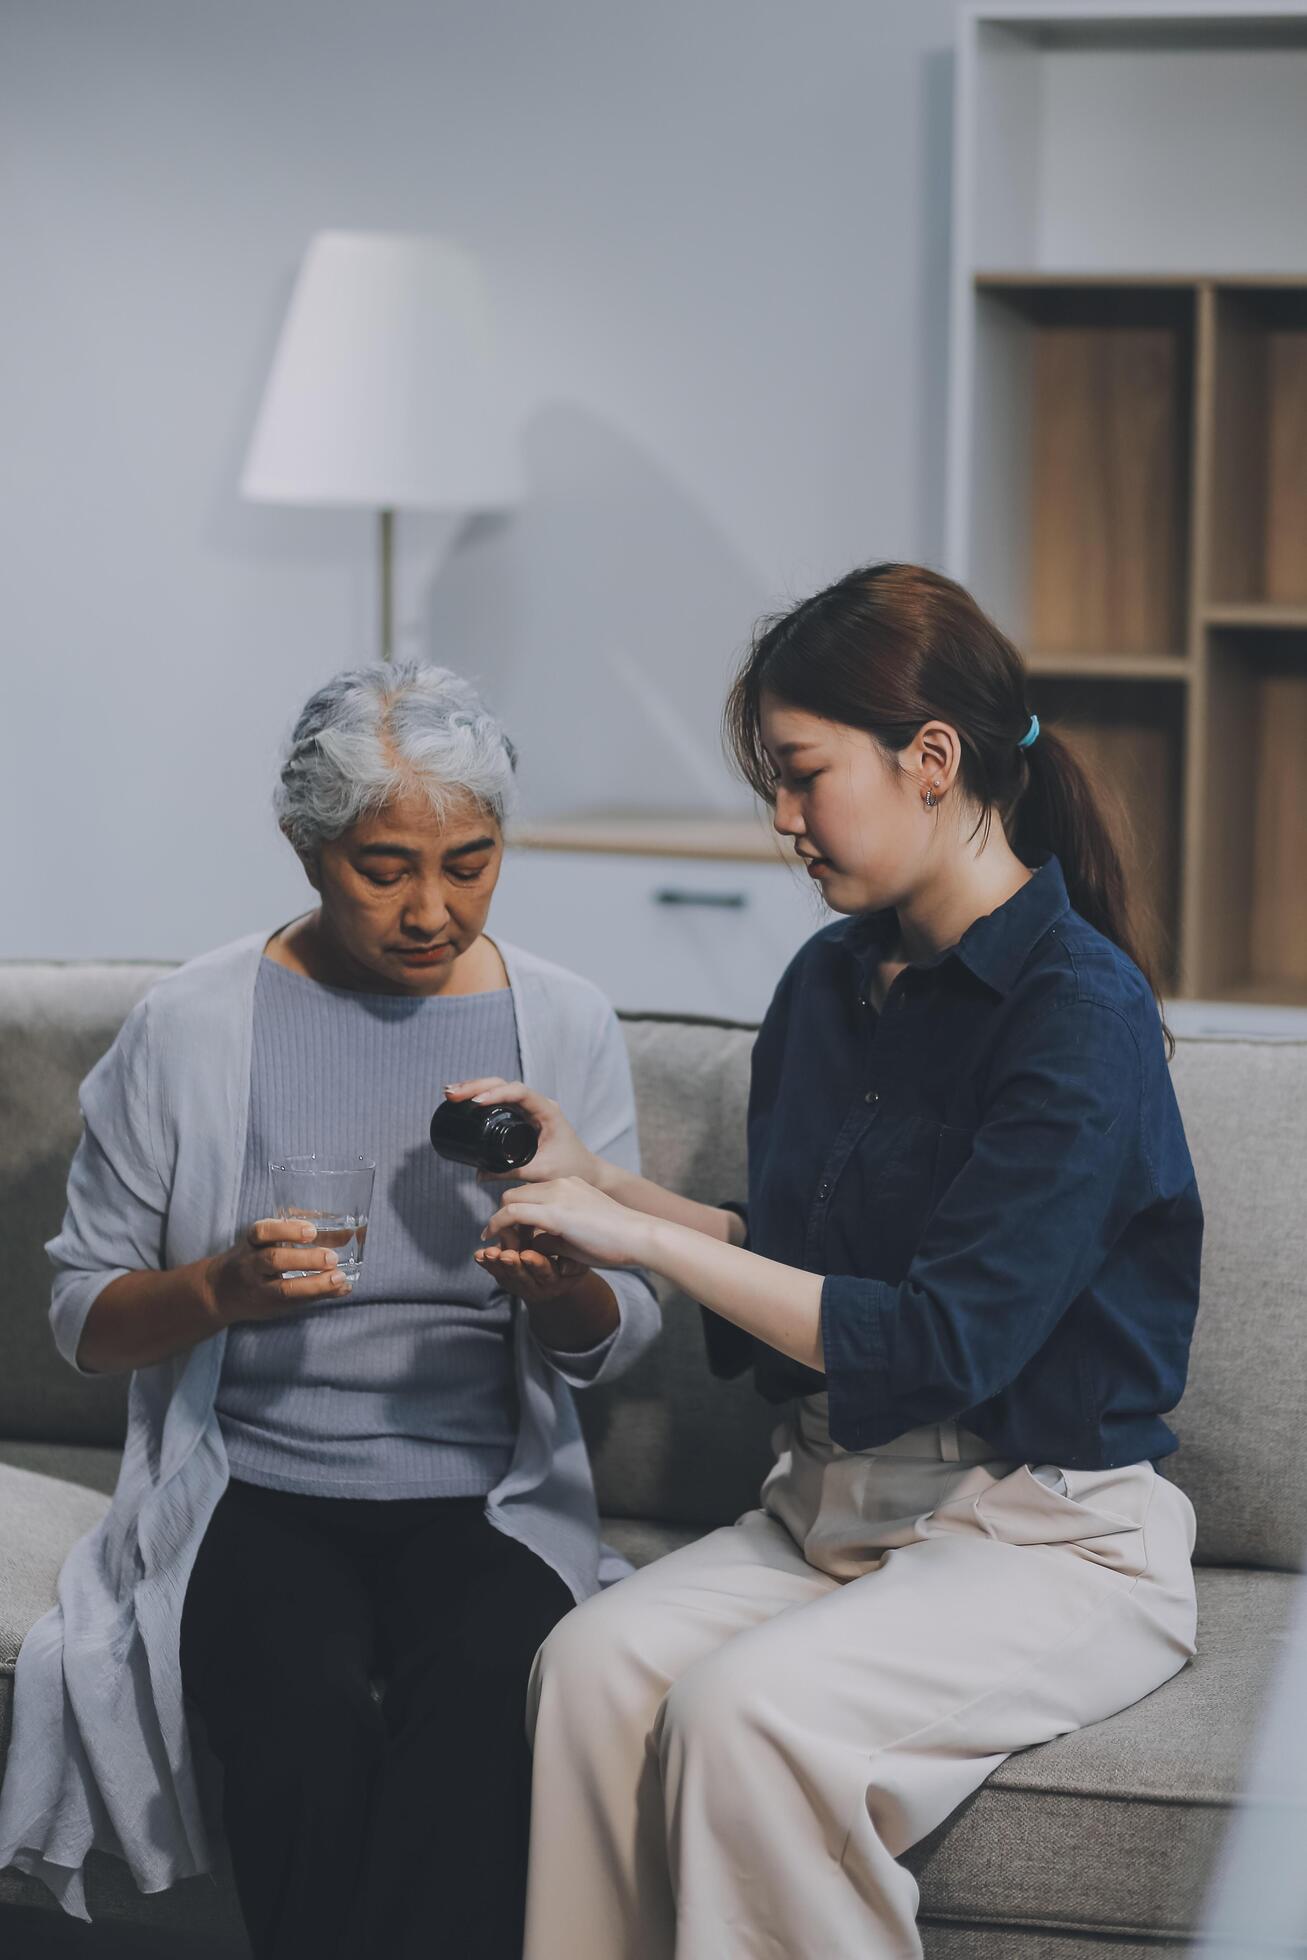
993, 1177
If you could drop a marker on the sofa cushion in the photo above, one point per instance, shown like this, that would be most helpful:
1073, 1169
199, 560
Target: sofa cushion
41, 1518
955, 1940
55, 1023
1118, 1825
1244, 1105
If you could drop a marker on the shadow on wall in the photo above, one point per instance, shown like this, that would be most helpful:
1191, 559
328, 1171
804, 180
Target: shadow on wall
603, 619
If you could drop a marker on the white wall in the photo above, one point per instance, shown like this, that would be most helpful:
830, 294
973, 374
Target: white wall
715, 232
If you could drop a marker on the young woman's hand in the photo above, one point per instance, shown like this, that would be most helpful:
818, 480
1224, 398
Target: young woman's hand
560, 1151
249, 1282
570, 1218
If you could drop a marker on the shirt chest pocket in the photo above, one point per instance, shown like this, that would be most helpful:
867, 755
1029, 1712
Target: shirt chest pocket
953, 1147
891, 1186
916, 1153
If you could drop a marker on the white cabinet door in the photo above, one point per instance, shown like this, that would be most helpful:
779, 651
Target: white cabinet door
661, 935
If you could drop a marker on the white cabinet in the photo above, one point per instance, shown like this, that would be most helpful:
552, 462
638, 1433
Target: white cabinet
669, 935
712, 935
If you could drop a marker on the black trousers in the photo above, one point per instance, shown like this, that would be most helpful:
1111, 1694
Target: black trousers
392, 1827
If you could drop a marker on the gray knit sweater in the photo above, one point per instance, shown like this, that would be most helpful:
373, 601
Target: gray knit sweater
405, 1388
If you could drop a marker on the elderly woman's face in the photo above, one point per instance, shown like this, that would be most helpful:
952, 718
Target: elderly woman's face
404, 894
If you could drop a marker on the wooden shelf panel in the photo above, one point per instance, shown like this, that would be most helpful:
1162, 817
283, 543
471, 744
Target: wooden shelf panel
1131, 736
998, 280
1257, 616
1111, 666
1254, 894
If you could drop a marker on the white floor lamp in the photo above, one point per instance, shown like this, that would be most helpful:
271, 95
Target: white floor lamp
383, 393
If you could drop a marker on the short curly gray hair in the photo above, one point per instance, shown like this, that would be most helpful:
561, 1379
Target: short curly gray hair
374, 732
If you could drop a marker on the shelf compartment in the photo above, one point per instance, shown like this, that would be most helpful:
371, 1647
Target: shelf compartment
1081, 464
1258, 519
1268, 993
1254, 910
1130, 733
1130, 139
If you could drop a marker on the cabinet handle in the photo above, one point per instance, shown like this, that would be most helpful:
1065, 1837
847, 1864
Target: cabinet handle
675, 895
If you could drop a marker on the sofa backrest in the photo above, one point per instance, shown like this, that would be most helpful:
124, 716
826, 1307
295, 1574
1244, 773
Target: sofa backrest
1244, 1105
668, 1441
55, 1023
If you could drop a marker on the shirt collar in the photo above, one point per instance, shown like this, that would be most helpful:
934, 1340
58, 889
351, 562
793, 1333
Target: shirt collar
994, 948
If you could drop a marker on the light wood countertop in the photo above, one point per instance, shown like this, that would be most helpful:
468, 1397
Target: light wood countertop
622, 834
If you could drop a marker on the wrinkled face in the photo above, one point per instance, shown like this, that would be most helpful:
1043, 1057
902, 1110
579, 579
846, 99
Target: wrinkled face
405, 894
855, 815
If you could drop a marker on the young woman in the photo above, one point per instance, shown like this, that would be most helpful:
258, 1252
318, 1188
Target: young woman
347, 1514
969, 1261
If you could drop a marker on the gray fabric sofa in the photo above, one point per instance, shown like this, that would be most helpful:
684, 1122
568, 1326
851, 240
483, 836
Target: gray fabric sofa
1098, 1844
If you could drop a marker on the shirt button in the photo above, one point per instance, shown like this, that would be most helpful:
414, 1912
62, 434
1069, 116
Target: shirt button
823, 1189
863, 1001
871, 1096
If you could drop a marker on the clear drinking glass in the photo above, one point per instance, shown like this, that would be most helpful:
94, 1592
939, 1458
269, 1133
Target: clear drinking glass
333, 1193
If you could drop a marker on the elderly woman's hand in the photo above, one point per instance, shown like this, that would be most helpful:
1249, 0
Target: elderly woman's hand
531, 1275
250, 1282
560, 1151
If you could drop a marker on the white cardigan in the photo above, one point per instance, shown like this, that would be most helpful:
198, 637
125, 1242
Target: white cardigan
99, 1756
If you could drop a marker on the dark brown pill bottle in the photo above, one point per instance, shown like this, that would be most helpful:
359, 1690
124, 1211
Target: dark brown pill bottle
488, 1136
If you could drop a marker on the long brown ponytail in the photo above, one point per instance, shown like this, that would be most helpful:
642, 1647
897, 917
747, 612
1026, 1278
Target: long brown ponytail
890, 647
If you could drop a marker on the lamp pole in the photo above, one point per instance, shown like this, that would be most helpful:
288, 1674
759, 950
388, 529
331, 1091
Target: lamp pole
387, 571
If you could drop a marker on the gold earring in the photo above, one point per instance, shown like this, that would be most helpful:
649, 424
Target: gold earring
931, 799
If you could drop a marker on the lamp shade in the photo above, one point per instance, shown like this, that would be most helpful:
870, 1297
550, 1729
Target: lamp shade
383, 392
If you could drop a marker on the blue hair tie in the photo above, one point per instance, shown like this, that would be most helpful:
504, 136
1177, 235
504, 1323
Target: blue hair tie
1031, 735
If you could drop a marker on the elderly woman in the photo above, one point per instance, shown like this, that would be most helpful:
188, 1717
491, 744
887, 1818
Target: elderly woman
348, 1514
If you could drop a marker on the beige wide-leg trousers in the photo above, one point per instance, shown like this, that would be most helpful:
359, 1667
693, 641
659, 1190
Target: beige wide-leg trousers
734, 1746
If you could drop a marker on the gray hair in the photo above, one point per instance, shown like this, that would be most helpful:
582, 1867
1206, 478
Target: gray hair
372, 733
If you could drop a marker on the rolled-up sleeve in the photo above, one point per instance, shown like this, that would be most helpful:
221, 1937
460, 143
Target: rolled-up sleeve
582, 1367
117, 1199
606, 1124
1053, 1177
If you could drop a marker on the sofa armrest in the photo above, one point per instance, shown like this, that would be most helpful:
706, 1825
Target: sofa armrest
41, 1519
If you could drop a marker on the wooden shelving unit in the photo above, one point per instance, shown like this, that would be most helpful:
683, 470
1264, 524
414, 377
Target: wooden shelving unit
1129, 441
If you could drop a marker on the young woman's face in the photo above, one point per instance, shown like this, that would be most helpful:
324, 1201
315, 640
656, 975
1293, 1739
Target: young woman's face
856, 816
404, 894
